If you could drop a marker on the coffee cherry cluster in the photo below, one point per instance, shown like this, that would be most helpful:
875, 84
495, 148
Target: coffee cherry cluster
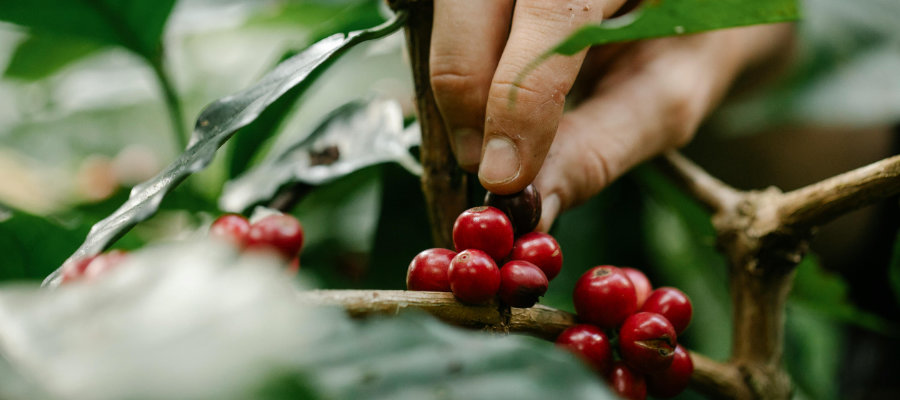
629, 332
279, 234
498, 233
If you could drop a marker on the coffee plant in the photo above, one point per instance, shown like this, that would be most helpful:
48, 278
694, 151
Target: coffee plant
287, 280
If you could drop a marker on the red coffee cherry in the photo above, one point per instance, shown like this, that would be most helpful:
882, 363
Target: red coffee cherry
647, 342
280, 232
591, 344
523, 208
672, 304
74, 270
428, 270
604, 297
673, 380
539, 249
486, 229
627, 383
521, 284
642, 286
474, 277
231, 227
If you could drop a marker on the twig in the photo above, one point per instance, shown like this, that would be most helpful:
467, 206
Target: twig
173, 105
823, 201
710, 376
711, 192
443, 182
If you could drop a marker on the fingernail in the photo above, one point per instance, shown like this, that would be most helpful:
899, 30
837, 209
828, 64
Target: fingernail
549, 211
500, 162
468, 146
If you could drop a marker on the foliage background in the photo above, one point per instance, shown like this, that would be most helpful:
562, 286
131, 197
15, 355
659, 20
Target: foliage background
83, 116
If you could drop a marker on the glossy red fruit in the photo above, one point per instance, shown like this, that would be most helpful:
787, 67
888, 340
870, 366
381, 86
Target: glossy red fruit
521, 284
591, 344
642, 286
280, 232
672, 304
474, 277
428, 270
523, 208
486, 229
539, 249
647, 342
673, 380
627, 383
604, 297
231, 227
74, 270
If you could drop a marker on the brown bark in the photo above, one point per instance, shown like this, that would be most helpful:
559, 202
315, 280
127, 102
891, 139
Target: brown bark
443, 182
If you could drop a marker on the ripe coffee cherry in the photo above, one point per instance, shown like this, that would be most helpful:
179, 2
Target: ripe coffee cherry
486, 229
604, 297
672, 304
73, 270
428, 270
591, 344
523, 208
647, 342
474, 277
673, 380
521, 284
642, 286
280, 232
231, 227
539, 249
627, 383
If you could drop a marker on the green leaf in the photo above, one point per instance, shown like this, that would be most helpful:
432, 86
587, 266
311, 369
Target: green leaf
826, 294
240, 332
681, 17
894, 269
328, 19
133, 24
811, 352
42, 55
215, 125
354, 136
669, 18
33, 246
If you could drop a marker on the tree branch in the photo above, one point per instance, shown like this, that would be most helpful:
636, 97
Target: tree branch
823, 201
714, 194
711, 377
443, 182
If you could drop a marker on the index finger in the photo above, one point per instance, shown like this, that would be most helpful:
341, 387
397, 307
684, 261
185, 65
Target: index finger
518, 135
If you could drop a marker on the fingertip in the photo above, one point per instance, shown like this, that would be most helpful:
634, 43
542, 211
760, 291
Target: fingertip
500, 164
549, 211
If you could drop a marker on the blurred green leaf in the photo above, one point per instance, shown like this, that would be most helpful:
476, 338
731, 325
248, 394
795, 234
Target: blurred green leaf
826, 294
894, 269
241, 332
215, 125
680, 239
670, 17
39, 56
34, 246
327, 19
133, 24
811, 353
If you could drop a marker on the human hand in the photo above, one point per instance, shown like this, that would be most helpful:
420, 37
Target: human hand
644, 97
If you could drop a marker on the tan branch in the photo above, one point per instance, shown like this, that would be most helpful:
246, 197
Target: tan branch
711, 377
823, 201
711, 192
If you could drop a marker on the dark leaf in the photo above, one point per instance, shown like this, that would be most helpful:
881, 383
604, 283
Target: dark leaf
214, 126
894, 269
33, 246
354, 136
134, 24
42, 55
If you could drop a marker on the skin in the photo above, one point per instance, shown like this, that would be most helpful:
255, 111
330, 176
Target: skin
640, 98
